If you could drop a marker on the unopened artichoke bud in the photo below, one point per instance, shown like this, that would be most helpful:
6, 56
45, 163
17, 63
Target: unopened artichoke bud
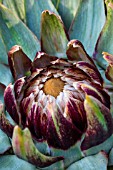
57, 101
61, 102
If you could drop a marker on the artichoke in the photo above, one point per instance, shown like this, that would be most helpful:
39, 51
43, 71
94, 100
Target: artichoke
57, 111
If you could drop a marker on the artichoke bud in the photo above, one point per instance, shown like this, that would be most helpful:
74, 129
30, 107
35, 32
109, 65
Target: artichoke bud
61, 102
57, 99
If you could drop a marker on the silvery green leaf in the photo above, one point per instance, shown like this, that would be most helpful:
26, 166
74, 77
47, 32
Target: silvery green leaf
94, 162
16, 6
67, 10
5, 74
4, 142
53, 36
88, 23
105, 41
69, 155
24, 148
14, 31
12, 162
111, 157
33, 10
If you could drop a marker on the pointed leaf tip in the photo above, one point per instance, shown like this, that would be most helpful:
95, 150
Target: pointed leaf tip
109, 70
47, 12
75, 51
33, 10
42, 60
14, 49
54, 38
19, 63
24, 148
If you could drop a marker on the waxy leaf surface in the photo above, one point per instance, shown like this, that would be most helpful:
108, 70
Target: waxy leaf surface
53, 36
16, 6
105, 41
14, 31
33, 10
67, 10
98, 161
88, 23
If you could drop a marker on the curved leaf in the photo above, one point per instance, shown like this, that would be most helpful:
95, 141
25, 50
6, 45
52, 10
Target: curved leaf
14, 31
33, 10
76, 52
105, 41
67, 10
11, 104
12, 162
105, 146
98, 161
53, 36
100, 125
24, 148
71, 155
98, 93
5, 74
16, 6
5, 125
19, 63
88, 23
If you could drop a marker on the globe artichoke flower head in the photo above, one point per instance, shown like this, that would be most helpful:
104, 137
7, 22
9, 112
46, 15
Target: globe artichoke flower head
57, 102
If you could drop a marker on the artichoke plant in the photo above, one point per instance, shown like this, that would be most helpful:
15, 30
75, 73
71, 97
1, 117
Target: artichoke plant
55, 109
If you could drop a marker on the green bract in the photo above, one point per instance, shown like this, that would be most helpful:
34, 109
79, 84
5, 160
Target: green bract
55, 110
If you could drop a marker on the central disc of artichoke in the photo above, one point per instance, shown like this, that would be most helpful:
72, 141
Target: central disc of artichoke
53, 87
